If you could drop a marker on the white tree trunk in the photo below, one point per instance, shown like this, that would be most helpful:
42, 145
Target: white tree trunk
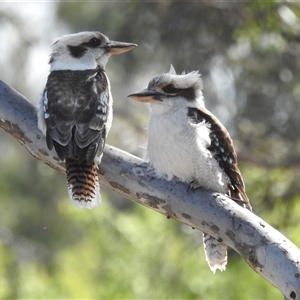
265, 249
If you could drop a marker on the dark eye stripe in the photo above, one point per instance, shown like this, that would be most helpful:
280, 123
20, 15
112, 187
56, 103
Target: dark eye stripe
94, 42
170, 89
77, 51
188, 93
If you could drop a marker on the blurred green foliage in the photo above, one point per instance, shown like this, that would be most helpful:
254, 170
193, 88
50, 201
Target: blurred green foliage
248, 54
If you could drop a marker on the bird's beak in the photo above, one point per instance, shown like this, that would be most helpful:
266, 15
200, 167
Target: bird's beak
147, 96
113, 47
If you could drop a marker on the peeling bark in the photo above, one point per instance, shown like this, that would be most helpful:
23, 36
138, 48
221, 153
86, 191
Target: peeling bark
265, 249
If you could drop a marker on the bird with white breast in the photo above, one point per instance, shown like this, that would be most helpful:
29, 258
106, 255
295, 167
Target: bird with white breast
186, 141
75, 110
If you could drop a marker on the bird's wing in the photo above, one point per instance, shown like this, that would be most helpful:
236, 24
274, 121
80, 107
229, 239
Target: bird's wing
77, 111
223, 151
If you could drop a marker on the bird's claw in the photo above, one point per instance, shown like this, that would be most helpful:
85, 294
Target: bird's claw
194, 185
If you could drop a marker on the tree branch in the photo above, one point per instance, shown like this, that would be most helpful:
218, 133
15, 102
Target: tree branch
266, 250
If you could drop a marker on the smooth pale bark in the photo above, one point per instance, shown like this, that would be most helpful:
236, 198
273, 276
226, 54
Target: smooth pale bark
265, 249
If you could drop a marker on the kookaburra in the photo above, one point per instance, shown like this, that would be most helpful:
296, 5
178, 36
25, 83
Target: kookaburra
75, 111
187, 141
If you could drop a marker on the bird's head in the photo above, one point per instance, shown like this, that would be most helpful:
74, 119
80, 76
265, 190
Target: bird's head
170, 90
84, 50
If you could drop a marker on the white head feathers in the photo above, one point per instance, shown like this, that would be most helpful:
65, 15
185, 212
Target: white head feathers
84, 51
183, 81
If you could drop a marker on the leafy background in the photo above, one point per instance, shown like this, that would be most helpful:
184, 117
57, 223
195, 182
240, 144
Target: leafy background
249, 56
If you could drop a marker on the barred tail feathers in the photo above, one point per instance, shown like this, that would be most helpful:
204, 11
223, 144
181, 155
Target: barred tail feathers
215, 253
83, 184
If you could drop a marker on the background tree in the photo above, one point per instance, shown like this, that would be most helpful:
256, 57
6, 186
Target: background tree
248, 55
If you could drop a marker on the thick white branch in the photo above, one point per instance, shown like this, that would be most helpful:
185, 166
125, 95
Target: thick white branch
266, 250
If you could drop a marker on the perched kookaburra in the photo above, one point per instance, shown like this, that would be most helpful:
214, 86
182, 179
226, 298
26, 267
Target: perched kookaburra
187, 141
75, 111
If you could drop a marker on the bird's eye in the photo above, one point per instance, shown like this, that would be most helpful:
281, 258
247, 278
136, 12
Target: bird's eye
170, 89
94, 42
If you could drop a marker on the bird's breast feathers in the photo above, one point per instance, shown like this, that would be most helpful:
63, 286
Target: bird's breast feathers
177, 148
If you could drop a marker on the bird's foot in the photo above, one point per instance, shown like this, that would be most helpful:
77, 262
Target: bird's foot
150, 171
194, 185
